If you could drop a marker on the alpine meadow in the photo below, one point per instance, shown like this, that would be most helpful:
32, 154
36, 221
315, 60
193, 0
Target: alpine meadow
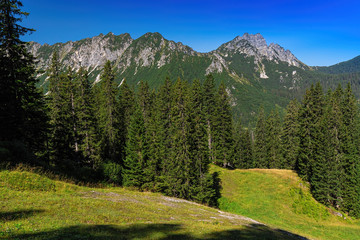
114, 137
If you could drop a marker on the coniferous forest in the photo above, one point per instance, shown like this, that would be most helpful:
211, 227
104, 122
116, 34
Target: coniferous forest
165, 140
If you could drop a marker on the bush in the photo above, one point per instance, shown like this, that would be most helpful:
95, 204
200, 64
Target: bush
112, 172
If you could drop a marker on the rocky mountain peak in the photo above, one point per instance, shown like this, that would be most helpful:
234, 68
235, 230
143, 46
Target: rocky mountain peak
255, 45
256, 40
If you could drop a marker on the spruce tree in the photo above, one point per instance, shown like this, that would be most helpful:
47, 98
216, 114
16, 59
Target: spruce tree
178, 178
243, 149
161, 140
22, 109
273, 140
209, 108
202, 180
87, 131
311, 133
108, 116
350, 147
127, 105
290, 135
61, 141
223, 148
136, 152
260, 154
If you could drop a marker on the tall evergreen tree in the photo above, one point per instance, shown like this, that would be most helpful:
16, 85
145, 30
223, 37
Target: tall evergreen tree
260, 155
222, 133
22, 114
311, 134
86, 124
209, 104
61, 139
350, 147
199, 147
136, 152
290, 135
273, 140
243, 149
178, 176
127, 105
161, 139
108, 116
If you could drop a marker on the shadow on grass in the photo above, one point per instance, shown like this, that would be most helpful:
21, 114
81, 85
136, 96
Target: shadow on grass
15, 215
156, 231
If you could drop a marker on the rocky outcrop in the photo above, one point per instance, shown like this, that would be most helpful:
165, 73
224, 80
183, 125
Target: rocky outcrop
255, 45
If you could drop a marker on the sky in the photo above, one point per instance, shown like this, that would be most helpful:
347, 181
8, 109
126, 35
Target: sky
318, 33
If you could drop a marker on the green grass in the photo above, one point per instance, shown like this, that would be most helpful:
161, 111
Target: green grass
280, 199
33, 206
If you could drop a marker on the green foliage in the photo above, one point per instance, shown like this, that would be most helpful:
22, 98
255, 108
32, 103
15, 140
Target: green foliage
22, 110
305, 204
351, 66
136, 152
22, 180
260, 154
112, 172
290, 138
108, 116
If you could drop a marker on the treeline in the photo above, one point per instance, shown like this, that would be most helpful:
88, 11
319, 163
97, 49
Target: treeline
320, 139
158, 141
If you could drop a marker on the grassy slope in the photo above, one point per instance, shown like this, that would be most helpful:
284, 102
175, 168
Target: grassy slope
280, 199
35, 207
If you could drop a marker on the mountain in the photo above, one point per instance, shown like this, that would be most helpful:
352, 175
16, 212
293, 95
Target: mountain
351, 66
255, 73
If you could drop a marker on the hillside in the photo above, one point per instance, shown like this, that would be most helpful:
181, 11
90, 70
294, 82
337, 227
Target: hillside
280, 199
350, 66
35, 207
256, 73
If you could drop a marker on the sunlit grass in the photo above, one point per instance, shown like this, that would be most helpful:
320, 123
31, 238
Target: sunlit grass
33, 206
280, 199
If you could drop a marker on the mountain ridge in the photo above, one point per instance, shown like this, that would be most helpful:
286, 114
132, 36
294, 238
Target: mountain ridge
255, 73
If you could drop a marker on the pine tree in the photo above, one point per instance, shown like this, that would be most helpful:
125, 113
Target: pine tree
22, 110
311, 134
62, 150
209, 108
161, 140
243, 149
108, 116
127, 104
87, 131
136, 152
260, 154
178, 176
350, 147
222, 131
273, 140
290, 135
201, 179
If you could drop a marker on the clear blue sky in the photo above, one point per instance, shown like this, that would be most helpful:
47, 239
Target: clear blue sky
317, 32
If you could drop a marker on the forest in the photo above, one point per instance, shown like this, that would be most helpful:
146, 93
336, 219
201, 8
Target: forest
165, 140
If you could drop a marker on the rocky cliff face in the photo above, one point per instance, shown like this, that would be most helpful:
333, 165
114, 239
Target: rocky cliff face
255, 45
152, 50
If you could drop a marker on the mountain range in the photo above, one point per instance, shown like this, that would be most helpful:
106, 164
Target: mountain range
256, 73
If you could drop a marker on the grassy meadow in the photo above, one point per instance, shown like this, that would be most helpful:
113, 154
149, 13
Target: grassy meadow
280, 199
33, 206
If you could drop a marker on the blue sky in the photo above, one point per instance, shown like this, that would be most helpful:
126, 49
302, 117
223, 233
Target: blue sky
317, 32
